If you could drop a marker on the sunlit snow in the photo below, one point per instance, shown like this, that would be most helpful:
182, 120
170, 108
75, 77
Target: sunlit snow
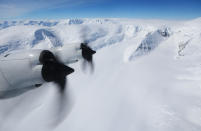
147, 76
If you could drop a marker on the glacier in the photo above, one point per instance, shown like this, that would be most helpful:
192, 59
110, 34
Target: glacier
147, 76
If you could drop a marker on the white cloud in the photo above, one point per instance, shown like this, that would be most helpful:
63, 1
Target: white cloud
9, 10
13, 8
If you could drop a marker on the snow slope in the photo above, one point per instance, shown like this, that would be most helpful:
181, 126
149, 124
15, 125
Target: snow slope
147, 76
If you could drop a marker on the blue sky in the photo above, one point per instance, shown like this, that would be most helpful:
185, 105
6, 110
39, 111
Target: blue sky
60, 9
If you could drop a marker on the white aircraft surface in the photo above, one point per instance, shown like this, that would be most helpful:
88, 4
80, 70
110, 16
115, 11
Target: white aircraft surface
25, 70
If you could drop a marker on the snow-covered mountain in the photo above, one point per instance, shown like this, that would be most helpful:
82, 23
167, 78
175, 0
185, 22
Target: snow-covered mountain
147, 76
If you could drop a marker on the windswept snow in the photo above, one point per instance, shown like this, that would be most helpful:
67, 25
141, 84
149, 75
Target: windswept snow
151, 41
147, 76
41, 34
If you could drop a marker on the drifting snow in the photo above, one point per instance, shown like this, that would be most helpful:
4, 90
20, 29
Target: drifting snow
158, 91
